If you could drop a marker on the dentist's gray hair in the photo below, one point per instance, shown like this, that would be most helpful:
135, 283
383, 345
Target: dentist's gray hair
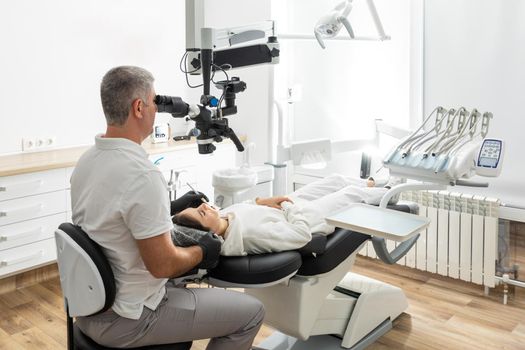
119, 88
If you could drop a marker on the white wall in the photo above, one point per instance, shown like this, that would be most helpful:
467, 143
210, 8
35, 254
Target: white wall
475, 57
54, 54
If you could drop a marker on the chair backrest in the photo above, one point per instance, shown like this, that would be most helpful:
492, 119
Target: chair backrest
86, 277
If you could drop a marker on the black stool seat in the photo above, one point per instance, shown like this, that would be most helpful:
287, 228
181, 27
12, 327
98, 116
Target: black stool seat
256, 269
83, 342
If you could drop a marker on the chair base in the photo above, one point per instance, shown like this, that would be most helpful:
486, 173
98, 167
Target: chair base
83, 342
280, 341
358, 310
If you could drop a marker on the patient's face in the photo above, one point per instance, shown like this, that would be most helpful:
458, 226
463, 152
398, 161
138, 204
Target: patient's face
205, 215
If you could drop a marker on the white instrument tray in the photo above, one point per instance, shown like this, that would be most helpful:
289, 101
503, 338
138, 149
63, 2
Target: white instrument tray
379, 222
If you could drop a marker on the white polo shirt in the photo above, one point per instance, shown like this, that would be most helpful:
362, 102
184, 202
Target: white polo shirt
117, 197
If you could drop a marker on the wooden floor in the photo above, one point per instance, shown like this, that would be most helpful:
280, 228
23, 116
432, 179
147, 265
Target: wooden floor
443, 314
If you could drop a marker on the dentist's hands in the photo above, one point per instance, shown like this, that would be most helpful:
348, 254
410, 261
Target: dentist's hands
211, 248
273, 202
190, 199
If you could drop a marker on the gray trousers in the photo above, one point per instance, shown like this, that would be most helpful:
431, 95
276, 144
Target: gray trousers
231, 319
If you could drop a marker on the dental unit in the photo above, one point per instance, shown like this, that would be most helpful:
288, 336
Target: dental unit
454, 147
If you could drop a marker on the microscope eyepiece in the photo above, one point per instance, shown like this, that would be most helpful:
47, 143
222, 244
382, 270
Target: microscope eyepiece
171, 104
160, 100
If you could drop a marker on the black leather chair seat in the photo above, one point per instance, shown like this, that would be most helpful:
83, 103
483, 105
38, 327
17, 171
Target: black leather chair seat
339, 245
83, 342
256, 269
317, 245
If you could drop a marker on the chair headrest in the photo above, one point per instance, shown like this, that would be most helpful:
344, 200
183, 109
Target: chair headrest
86, 277
183, 236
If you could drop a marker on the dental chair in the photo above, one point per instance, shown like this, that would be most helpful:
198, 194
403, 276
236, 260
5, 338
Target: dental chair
312, 299
88, 286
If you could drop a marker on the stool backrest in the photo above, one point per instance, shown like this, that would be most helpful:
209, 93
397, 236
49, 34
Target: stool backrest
86, 277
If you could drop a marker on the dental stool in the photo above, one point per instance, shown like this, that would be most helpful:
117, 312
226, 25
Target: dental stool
88, 286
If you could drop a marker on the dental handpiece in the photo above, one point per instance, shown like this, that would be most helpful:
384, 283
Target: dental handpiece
203, 199
194, 191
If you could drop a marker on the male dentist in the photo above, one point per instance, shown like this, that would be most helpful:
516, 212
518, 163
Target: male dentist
119, 199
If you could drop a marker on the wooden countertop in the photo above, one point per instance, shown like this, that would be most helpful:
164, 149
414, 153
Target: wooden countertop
67, 157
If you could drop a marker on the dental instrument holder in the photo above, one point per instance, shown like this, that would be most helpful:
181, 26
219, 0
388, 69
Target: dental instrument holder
174, 182
446, 152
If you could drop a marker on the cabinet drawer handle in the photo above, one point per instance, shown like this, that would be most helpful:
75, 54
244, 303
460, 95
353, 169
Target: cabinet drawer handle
33, 209
30, 184
21, 259
24, 234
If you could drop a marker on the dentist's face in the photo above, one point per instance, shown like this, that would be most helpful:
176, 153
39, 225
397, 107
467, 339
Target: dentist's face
205, 215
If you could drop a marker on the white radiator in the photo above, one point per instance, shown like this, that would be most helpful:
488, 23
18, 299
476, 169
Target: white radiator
461, 240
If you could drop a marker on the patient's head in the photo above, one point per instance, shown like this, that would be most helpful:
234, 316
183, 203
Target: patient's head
203, 218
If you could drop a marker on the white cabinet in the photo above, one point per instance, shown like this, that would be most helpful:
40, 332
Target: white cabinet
25, 208
30, 184
27, 256
29, 231
31, 207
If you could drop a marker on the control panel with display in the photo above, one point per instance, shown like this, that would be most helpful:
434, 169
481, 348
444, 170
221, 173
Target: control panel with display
490, 157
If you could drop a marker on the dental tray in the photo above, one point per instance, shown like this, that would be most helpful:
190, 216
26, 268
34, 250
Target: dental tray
378, 222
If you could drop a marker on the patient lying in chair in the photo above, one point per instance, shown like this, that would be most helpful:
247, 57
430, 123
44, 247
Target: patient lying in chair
279, 223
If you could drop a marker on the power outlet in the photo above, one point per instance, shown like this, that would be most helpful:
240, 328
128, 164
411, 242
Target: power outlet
51, 141
38, 143
45, 142
28, 144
